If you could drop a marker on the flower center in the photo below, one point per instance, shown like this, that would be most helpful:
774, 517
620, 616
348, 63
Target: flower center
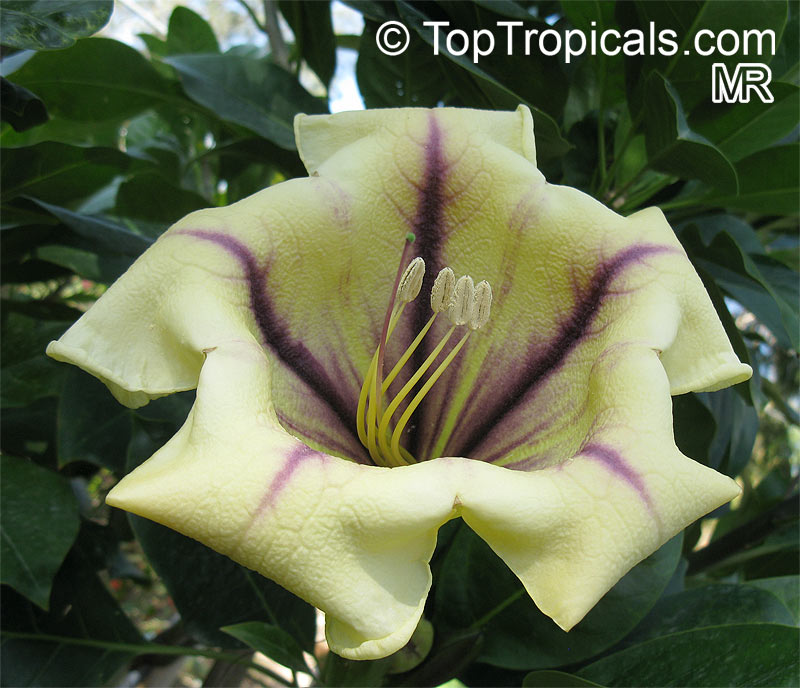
465, 304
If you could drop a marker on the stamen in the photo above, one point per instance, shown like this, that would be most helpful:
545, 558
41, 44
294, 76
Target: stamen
442, 290
465, 304
482, 305
411, 281
463, 297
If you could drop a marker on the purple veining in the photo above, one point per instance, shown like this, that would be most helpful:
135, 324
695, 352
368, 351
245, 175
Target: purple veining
275, 333
296, 457
429, 230
543, 362
614, 462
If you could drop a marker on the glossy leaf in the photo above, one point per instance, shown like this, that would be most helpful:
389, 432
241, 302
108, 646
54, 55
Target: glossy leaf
741, 129
312, 26
92, 425
252, 92
473, 582
57, 172
712, 605
19, 107
734, 655
95, 80
39, 525
82, 609
188, 32
555, 679
672, 147
51, 25
786, 589
271, 641
412, 79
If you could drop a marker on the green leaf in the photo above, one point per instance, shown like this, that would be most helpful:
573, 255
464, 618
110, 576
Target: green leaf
248, 91
712, 605
786, 589
57, 172
149, 197
736, 429
474, 582
92, 425
716, 246
741, 129
555, 679
19, 107
734, 655
694, 427
39, 524
315, 42
412, 79
672, 147
51, 24
188, 32
271, 641
81, 608
27, 373
96, 80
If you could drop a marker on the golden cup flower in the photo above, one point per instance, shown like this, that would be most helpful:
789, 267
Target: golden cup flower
424, 293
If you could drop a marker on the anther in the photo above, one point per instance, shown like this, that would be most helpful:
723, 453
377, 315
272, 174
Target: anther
411, 281
482, 305
460, 308
442, 290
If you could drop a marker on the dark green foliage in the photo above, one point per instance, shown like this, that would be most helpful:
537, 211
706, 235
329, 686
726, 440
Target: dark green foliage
91, 127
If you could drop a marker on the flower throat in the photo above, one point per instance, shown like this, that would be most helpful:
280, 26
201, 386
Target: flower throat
465, 305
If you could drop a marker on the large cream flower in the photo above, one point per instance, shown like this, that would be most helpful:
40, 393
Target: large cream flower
290, 312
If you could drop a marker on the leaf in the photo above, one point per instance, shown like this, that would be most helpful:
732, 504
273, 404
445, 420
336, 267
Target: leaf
737, 426
477, 88
27, 373
741, 129
19, 107
248, 91
473, 582
412, 79
82, 609
149, 197
51, 24
57, 172
734, 655
188, 32
271, 641
712, 605
95, 80
786, 589
672, 147
92, 425
230, 593
555, 679
315, 42
39, 524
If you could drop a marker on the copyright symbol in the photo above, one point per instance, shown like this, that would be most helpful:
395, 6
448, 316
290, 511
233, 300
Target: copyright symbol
392, 38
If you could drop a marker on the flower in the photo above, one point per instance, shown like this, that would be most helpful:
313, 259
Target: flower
290, 310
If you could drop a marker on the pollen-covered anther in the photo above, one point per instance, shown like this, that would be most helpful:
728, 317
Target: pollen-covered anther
461, 305
482, 305
411, 281
442, 291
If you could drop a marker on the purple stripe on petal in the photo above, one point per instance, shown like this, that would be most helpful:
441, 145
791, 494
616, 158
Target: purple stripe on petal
542, 362
275, 333
615, 463
296, 457
429, 230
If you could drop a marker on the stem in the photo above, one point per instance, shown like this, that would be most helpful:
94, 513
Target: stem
253, 16
146, 649
280, 53
480, 623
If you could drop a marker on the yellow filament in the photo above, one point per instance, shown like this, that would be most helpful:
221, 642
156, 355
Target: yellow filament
404, 358
369, 378
401, 424
387, 416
